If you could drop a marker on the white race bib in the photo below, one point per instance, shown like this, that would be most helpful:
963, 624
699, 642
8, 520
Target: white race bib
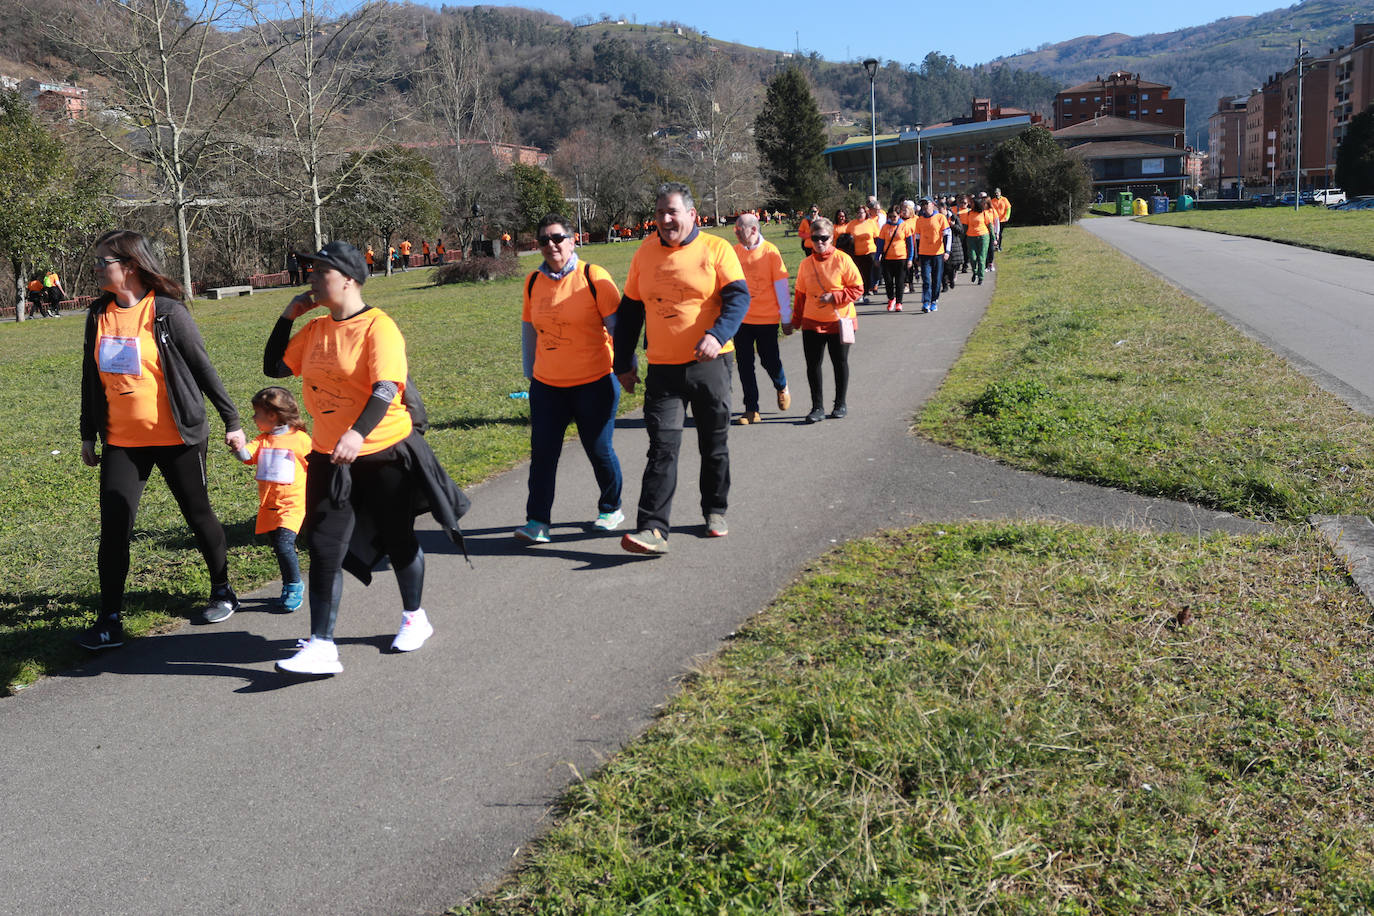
119, 356
276, 465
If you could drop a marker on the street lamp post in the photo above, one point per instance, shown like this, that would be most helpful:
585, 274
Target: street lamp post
1297, 147
871, 65
918, 160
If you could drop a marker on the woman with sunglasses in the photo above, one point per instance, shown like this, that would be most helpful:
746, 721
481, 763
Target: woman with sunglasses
144, 379
568, 319
828, 283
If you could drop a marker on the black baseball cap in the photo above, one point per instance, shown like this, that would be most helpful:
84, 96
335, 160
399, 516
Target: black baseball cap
341, 256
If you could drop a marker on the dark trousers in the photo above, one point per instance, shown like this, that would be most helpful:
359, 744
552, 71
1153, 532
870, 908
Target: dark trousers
867, 265
894, 279
814, 345
994, 243
764, 339
382, 490
668, 390
124, 473
288, 561
592, 407
932, 275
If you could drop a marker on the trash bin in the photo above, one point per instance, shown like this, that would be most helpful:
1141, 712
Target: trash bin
1140, 208
1159, 204
1185, 202
1123, 203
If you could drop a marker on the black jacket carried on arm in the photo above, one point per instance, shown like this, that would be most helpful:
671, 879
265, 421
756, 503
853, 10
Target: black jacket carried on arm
186, 370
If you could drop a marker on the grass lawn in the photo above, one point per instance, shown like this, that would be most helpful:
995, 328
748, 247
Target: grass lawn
1001, 719
1341, 232
1091, 367
464, 347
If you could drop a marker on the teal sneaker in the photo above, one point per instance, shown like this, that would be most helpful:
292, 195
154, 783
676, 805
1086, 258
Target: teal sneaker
533, 532
609, 521
292, 596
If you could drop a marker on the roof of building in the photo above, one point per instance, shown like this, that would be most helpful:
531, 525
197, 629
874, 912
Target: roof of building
1112, 126
1115, 77
1124, 149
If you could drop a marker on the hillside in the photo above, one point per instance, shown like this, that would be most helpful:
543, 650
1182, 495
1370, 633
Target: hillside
1204, 63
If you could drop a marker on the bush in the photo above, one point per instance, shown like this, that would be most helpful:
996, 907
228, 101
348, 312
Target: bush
476, 270
1045, 184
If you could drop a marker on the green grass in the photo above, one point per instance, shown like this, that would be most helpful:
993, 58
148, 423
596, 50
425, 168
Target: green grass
1337, 231
1000, 719
1088, 366
464, 347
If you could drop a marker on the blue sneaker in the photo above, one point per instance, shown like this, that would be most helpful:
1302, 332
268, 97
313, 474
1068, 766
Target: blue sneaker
935, 306
533, 532
292, 596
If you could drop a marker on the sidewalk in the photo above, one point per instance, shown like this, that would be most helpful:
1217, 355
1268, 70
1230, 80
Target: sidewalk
183, 774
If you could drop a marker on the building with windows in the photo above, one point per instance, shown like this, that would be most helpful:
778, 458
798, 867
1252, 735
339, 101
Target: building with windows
1130, 155
1262, 136
1121, 95
1226, 146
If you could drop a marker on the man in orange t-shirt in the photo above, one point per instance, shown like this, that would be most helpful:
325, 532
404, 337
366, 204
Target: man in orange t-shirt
932, 240
1002, 207
689, 290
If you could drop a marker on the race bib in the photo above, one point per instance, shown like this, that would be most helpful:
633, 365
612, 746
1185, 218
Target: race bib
276, 465
119, 356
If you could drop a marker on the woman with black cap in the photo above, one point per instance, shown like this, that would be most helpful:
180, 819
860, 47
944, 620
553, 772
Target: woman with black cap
352, 364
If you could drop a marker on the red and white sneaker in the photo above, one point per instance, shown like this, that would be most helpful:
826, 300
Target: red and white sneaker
891, 305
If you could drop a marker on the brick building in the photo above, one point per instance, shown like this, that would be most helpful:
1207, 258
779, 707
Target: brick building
1262, 136
1121, 95
1226, 144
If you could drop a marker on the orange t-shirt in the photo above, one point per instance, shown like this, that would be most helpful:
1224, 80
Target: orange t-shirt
865, 231
280, 460
573, 347
126, 355
405, 249
680, 288
977, 221
804, 231
1003, 208
762, 267
931, 230
424, 248
815, 278
338, 362
894, 236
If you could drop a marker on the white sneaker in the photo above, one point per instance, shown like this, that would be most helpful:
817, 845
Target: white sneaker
609, 521
316, 656
415, 629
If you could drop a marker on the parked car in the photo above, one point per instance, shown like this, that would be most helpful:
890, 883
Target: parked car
1265, 200
1287, 199
1329, 196
1364, 202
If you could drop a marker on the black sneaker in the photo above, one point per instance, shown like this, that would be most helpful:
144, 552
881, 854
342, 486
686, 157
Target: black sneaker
839, 413
816, 415
107, 634
222, 606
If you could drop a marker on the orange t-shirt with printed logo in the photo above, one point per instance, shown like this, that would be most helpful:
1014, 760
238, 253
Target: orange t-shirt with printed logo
864, 231
680, 288
338, 362
573, 347
894, 236
763, 268
131, 371
815, 278
931, 230
977, 221
280, 462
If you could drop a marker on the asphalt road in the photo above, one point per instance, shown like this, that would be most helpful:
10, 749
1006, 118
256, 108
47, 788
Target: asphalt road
1315, 309
182, 774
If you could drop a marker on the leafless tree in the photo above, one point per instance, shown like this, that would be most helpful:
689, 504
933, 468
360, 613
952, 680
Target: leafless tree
608, 171
716, 104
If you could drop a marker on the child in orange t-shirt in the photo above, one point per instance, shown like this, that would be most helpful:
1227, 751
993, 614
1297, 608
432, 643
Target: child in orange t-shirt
280, 453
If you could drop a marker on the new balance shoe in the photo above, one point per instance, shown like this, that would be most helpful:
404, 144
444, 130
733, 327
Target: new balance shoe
533, 532
716, 526
292, 596
223, 604
646, 540
415, 629
313, 656
609, 521
106, 634
784, 398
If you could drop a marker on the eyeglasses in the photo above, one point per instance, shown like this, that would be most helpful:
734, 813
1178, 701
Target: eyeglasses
553, 238
817, 239
105, 262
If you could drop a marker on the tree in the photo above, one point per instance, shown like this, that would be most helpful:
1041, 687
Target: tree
790, 134
537, 194
1355, 156
1044, 183
51, 205
716, 103
384, 192
609, 173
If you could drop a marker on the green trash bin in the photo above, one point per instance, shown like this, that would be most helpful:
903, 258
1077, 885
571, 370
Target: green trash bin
1185, 202
1123, 203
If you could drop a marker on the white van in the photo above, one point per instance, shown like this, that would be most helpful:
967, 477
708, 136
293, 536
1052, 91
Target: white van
1330, 196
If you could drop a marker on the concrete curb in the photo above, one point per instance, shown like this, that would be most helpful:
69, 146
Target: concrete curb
1352, 537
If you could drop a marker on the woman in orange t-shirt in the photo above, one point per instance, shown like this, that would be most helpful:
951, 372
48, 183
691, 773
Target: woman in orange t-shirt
979, 220
568, 317
823, 310
145, 376
352, 364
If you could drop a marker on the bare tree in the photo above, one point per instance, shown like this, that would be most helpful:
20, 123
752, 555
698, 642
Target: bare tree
608, 171
324, 68
717, 103
176, 73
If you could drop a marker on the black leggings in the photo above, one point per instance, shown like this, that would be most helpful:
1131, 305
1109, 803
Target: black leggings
814, 345
124, 472
894, 279
381, 493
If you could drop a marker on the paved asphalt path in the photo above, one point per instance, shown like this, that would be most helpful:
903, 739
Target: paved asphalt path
1315, 309
182, 774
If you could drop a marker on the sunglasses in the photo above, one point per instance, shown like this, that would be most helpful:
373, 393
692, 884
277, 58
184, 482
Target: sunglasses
106, 262
553, 238
820, 238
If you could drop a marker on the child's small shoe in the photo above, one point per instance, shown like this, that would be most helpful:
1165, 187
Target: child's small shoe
292, 595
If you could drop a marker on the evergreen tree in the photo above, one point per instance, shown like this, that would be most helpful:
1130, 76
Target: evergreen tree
1355, 157
537, 194
1044, 183
790, 134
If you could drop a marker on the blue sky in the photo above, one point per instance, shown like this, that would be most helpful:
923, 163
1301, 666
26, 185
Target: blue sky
971, 32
